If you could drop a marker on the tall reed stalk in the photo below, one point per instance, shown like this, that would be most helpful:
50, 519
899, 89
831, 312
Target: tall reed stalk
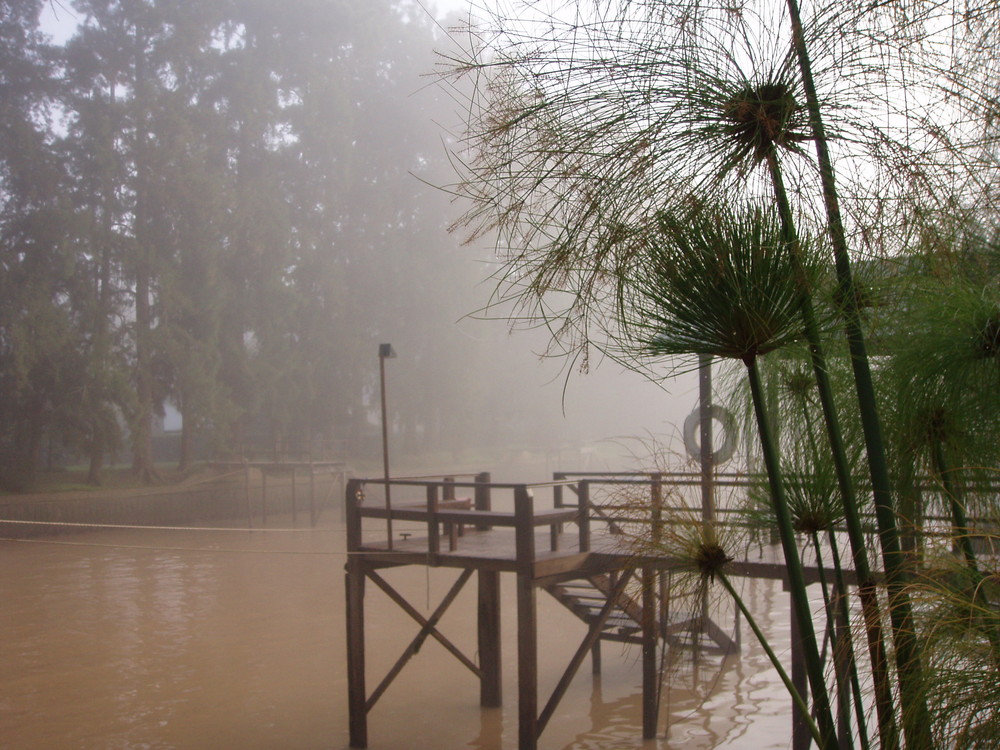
588, 139
724, 283
916, 721
867, 588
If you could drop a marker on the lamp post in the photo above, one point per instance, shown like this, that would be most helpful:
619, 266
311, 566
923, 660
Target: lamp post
385, 351
707, 443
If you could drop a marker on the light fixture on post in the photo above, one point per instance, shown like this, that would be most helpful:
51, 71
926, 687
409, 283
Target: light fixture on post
385, 351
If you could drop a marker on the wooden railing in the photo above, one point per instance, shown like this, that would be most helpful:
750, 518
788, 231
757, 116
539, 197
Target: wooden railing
443, 515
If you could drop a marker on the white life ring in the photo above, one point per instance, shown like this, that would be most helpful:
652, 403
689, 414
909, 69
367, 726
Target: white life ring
692, 434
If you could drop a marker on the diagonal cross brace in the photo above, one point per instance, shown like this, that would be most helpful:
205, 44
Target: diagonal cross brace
591, 638
428, 627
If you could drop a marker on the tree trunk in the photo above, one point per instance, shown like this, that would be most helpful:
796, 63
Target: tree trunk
142, 428
96, 465
187, 444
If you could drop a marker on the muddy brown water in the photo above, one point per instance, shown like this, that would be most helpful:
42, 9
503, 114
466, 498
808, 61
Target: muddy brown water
229, 638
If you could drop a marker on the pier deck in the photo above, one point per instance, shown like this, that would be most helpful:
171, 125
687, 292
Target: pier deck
574, 551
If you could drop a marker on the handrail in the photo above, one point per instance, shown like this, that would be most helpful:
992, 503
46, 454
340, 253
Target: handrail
410, 482
435, 512
477, 512
495, 517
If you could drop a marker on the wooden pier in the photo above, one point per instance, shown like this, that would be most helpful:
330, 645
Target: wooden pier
553, 538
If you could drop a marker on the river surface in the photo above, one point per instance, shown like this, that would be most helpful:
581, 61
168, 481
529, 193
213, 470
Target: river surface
228, 638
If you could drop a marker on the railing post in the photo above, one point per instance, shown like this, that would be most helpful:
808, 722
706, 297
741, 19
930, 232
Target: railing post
448, 493
656, 506
557, 490
353, 498
557, 499
583, 519
524, 527
483, 500
433, 527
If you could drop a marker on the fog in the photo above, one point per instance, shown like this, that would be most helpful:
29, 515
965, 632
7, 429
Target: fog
532, 405
214, 214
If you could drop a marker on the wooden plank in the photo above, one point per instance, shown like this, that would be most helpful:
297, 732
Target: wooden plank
454, 503
568, 562
496, 549
495, 518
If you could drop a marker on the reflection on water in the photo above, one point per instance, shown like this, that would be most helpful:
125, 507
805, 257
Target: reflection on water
235, 639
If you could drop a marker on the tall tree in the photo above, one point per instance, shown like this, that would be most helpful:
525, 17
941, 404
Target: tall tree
36, 356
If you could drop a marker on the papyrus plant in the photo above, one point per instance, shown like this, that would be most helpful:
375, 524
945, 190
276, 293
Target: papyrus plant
724, 282
856, 120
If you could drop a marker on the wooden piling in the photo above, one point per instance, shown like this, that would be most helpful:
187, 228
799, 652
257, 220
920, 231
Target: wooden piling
490, 684
527, 622
527, 664
354, 586
650, 671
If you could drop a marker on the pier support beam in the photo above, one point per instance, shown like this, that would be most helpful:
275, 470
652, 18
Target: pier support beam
527, 664
650, 674
527, 621
490, 683
356, 690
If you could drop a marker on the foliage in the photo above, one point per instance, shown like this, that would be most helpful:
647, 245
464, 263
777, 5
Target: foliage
203, 205
599, 132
